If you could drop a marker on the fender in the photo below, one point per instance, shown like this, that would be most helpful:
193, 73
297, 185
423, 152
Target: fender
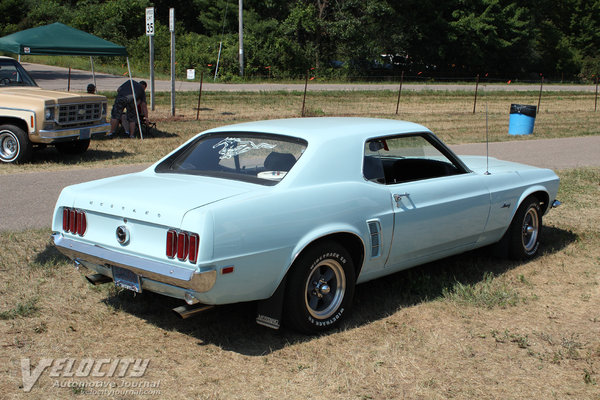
529, 192
26, 115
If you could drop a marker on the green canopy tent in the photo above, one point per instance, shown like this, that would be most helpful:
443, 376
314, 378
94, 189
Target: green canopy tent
60, 39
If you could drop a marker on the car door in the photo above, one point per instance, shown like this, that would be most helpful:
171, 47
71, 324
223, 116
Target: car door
439, 207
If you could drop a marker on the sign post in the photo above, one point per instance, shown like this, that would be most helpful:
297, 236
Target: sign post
150, 34
172, 29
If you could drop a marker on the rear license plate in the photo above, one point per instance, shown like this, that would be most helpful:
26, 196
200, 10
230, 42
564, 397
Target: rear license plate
126, 279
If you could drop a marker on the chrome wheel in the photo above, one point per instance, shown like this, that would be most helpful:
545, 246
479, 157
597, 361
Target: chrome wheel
530, 229
319, 288
522, 239
9, 146
325, 288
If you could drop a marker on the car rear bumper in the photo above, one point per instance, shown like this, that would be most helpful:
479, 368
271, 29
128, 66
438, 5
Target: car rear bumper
154, 276
62, 135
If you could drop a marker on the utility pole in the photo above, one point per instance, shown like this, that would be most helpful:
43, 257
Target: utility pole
172, 29
241, 29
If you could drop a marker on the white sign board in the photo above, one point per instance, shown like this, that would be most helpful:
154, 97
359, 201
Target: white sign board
171, 20
150, 21
191, 74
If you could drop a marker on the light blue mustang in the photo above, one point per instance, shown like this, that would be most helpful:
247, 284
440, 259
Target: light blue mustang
295, 212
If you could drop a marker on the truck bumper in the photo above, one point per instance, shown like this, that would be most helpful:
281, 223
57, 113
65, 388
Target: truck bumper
64, 135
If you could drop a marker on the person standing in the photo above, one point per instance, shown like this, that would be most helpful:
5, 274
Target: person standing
124, 100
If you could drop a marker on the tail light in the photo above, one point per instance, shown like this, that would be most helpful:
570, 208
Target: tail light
183, 245
74, 221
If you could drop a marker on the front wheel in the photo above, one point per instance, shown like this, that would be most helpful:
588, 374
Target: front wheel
15, 146
525, 230
320, 288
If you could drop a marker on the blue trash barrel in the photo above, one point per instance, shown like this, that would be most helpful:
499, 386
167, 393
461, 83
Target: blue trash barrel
522, 119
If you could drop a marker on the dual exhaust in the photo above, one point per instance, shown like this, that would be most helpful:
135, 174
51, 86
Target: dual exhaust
184, 311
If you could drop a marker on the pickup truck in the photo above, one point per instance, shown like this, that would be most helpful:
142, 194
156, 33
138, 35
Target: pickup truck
31, 117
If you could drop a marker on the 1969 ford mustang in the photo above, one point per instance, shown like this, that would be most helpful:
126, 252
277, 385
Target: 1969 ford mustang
294, 213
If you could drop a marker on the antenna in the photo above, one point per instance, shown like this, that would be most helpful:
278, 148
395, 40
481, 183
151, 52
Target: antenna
487, 137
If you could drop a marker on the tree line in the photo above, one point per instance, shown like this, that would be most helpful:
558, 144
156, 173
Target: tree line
345, 39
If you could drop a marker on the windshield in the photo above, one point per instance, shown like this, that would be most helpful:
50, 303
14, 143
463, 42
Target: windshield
251, 157
13, 74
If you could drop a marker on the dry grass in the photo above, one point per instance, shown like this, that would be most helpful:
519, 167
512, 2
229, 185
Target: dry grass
448, 114
465, 327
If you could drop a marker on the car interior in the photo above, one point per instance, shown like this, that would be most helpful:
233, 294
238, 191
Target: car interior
404, 163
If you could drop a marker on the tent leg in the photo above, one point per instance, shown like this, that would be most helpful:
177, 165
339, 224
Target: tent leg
93, 74
137, 113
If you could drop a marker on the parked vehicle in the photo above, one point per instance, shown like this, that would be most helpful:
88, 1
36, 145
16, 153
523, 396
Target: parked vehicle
32, 117
294, 213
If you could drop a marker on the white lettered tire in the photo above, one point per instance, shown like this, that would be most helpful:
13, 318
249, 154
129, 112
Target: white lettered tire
320, 288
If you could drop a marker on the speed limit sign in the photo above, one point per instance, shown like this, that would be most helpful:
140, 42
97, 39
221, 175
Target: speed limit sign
150, 21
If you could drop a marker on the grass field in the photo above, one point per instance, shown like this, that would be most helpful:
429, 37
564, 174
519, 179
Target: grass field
448, 114
466, 327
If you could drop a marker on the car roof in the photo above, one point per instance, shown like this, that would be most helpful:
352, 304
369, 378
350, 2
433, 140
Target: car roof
326, 128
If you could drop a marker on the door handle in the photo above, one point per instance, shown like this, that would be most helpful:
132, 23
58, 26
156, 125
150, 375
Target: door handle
398, 197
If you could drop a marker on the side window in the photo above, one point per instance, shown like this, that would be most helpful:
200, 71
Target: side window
405, 159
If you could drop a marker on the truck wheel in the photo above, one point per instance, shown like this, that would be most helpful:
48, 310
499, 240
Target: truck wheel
320, 288
15, 146
74, 147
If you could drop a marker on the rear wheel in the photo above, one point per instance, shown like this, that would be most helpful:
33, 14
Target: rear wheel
74, 147
15, 146
320, 288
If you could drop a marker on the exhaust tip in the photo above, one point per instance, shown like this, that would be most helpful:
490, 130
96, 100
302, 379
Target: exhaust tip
98, 279
186, 311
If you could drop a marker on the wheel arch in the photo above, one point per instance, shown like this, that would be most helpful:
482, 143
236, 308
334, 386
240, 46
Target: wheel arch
351, 241
538, 192
19, 122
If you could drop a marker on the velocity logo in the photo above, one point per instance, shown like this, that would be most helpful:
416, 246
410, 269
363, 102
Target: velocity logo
85, 368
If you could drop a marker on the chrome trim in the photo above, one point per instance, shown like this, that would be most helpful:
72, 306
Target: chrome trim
374, 226
122, 234
201, 279
556, 203
16, 109
48, 136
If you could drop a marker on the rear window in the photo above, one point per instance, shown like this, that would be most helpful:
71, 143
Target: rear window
251, 157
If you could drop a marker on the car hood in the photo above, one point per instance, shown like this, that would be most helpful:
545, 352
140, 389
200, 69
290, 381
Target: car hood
480, 164
147, 196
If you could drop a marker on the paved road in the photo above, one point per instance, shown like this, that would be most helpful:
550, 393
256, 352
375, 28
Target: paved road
56, 78
27, 199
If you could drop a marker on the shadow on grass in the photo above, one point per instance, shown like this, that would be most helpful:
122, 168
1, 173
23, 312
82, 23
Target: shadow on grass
51, 155
233, 328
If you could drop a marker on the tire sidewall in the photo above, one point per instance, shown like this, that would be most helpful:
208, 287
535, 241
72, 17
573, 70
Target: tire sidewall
296, 313
517, 248
23, 145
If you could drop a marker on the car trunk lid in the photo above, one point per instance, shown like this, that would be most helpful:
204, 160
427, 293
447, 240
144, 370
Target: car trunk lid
155, 198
